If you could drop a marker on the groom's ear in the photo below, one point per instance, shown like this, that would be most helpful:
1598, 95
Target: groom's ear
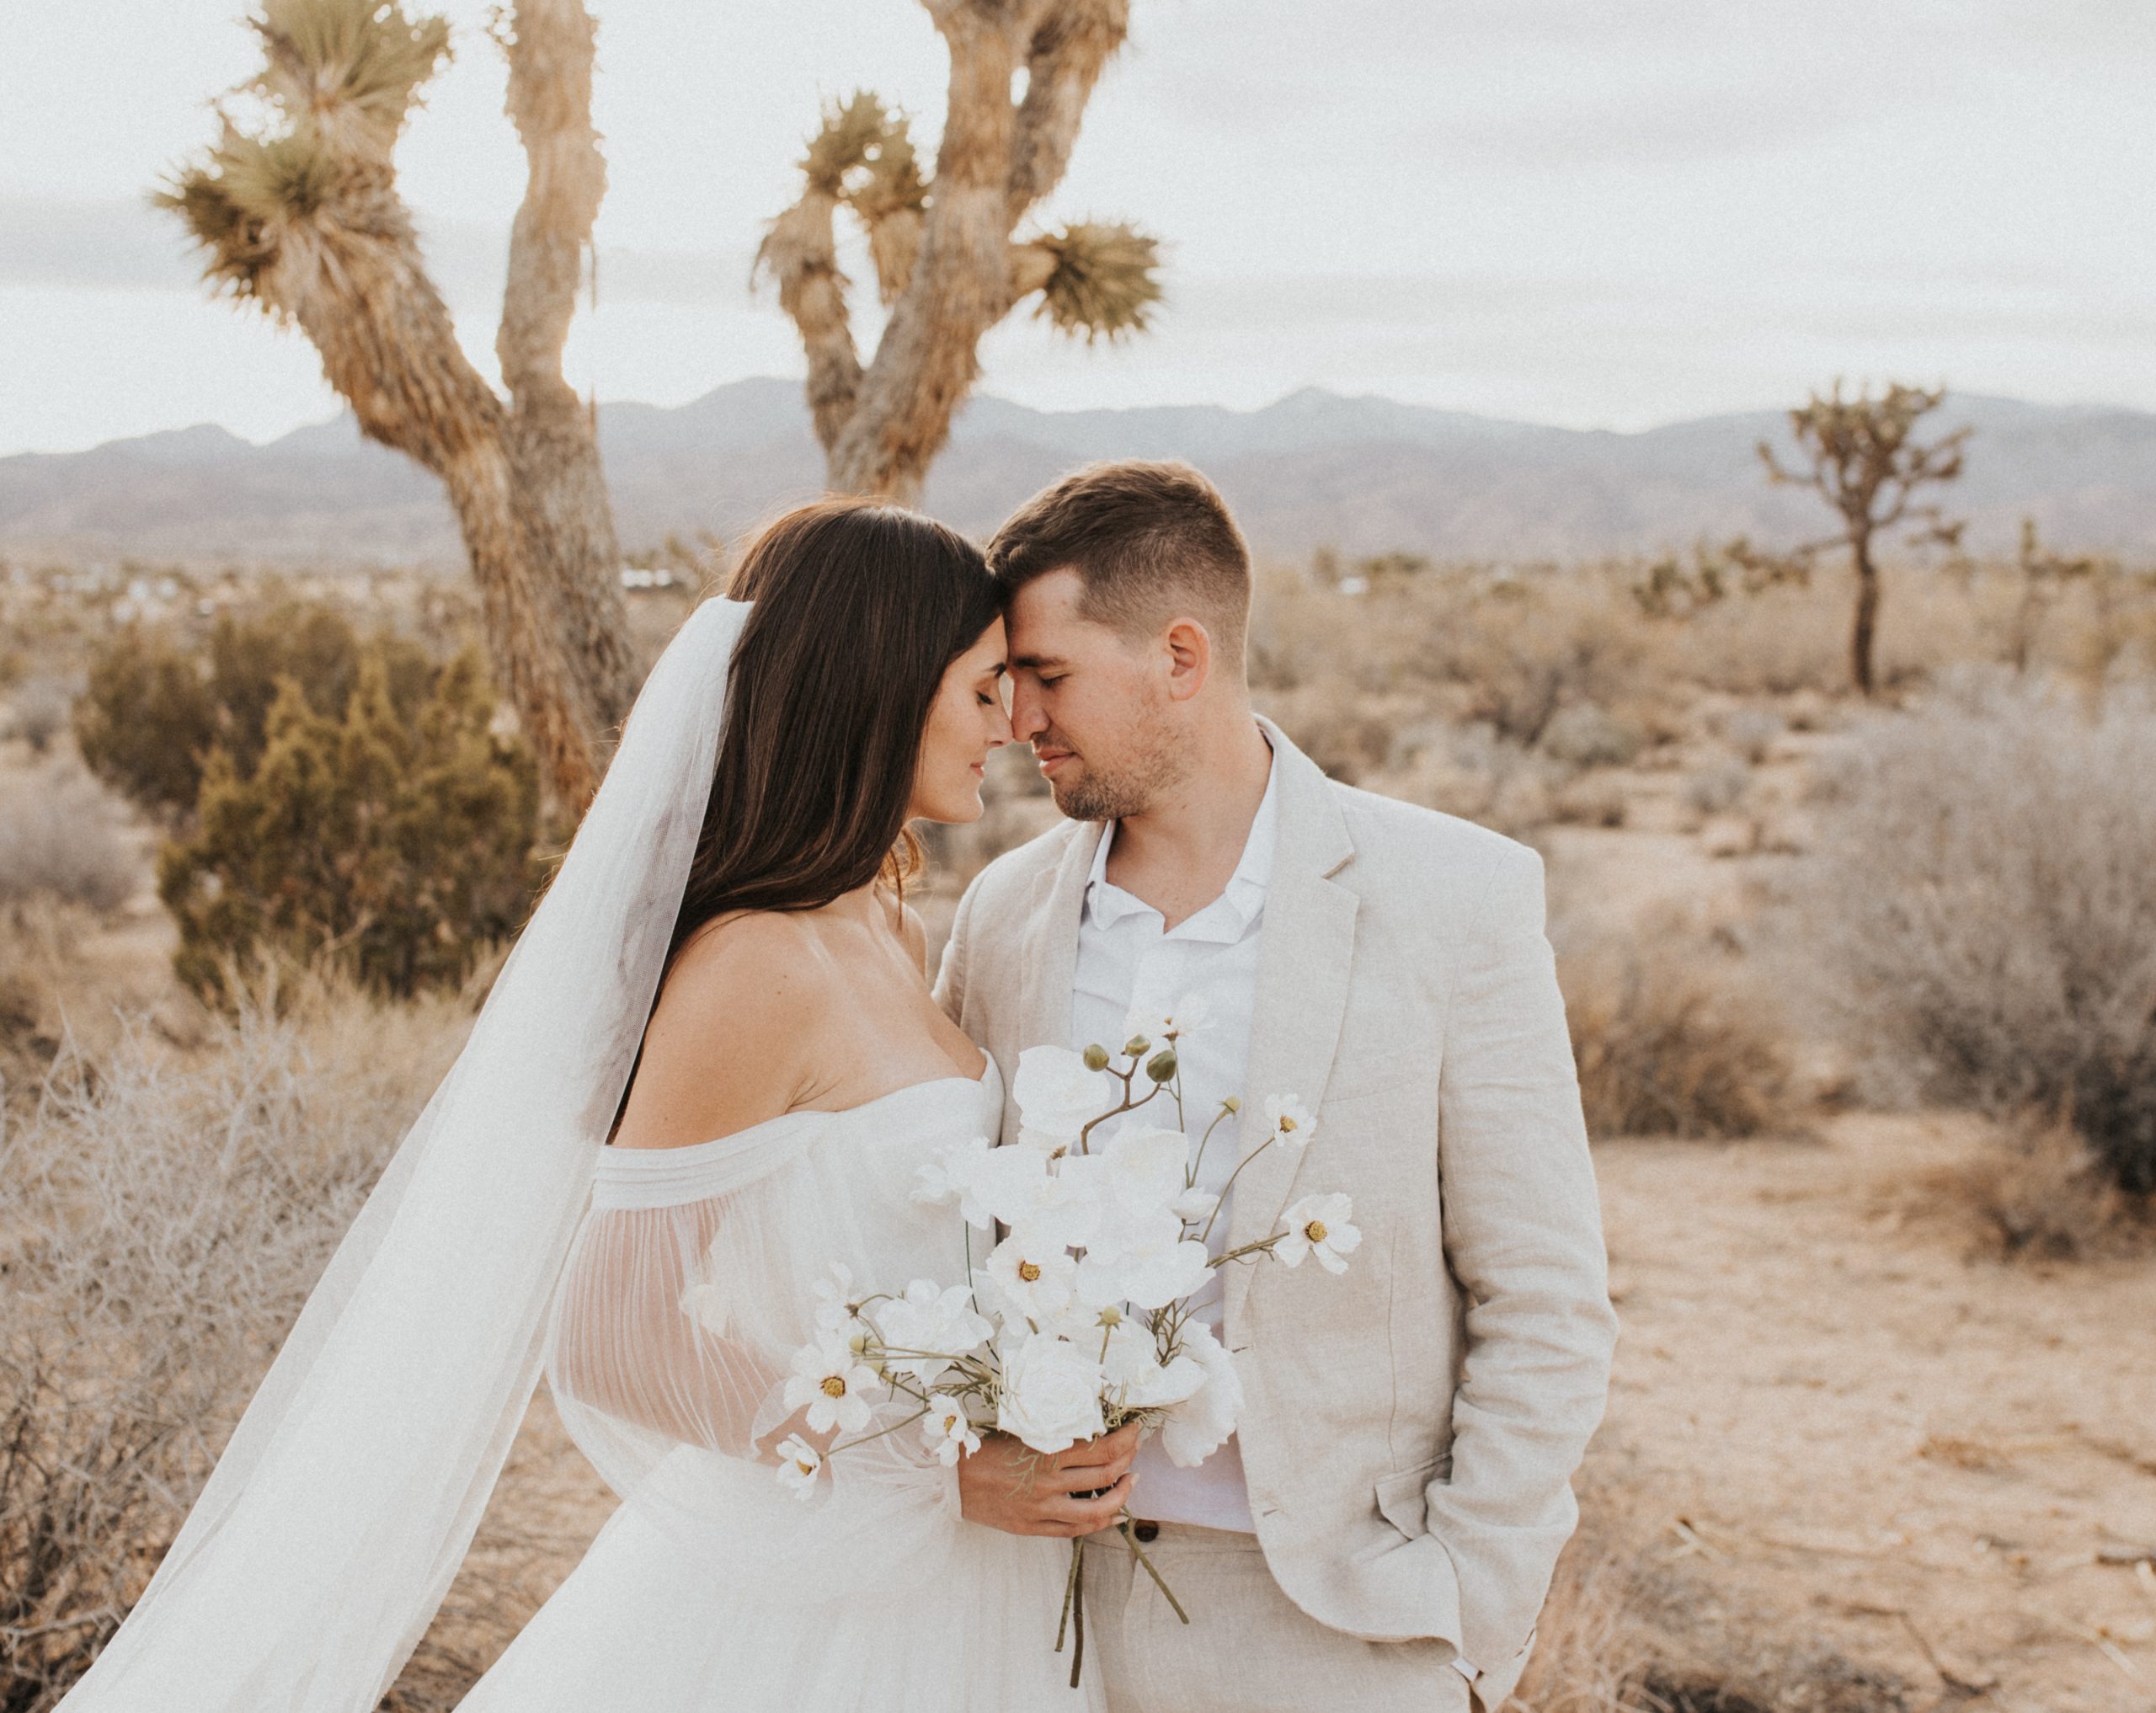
1189, 647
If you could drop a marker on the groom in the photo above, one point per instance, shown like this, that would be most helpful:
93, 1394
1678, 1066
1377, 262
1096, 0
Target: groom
1381, 1531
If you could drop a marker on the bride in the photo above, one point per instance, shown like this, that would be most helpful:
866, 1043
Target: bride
704, 1078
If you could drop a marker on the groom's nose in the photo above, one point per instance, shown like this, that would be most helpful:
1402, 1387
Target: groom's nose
1027, 722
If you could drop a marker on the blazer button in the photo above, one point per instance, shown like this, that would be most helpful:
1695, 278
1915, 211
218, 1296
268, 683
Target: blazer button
1147, 1531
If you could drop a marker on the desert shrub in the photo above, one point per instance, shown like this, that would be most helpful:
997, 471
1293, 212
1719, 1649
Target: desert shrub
1984, 912
60, 837
1526, 651
156, 705
165, 1220
1751, 730
1718, 788
1667, 1044
2042, 1191
399, 844
1583, 734
38, 711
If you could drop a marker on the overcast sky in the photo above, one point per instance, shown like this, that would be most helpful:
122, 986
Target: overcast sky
1565, 210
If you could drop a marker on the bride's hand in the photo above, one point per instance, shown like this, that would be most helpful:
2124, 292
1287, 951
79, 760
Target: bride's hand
1007, 1484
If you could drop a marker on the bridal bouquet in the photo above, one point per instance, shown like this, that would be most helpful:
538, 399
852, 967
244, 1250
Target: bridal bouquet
1080, 1320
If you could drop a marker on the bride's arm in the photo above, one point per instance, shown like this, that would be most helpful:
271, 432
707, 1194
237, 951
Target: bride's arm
641, 1333
634, 1336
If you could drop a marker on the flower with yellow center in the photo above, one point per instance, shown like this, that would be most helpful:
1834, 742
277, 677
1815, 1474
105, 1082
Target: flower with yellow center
798, 1464
833, 1384
1318, 1225
1033, 1274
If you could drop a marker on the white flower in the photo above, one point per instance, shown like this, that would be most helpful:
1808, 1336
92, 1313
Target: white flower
1143, 1259
798, 1464
1199, 1426
1318, 1225
940, 1321
1194, 1207
704, 1302
1161, 1027
1290, 1122
1056, 1096
945, 1178
834, 1382
946, 1433
1144, 1166
1034, 1276
1135, 1374
1051, 1394
838, 1310
1058, 1204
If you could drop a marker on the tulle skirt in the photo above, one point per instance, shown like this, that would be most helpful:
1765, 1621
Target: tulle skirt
717, 1592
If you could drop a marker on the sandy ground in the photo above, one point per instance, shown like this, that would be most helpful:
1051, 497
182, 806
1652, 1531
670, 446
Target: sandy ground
1838, 1429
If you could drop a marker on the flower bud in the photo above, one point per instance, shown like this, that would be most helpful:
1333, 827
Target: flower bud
1136, 1046
1097, 1058
1233, 1104
1161, 1067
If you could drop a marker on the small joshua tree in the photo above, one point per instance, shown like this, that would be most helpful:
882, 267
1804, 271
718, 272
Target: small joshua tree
1865, 464
298, 212
947, 264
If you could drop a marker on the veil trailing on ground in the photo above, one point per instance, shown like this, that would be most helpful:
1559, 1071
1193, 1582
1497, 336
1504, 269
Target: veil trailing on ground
332, 1526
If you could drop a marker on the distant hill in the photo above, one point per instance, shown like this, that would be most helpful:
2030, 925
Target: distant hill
1364, 475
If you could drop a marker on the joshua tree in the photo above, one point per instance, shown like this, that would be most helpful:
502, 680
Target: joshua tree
1865, 465
299, 213
947, 264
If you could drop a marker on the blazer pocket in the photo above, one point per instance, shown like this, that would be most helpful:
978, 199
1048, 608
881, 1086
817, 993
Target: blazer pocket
1357, 1080
1402, 1498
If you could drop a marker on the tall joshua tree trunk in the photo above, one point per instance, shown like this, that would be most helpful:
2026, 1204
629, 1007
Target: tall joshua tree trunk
303, 218
946, 261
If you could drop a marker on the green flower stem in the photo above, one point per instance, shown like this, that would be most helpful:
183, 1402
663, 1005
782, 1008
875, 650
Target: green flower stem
1208, 1232
1167, 1594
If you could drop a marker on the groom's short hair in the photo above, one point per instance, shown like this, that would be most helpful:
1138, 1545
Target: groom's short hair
1148, 539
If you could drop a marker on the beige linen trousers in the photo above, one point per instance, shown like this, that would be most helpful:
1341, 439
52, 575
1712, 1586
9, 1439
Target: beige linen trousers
1412, 1427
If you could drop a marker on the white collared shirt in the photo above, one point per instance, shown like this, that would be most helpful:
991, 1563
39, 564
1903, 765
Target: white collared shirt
1129, 960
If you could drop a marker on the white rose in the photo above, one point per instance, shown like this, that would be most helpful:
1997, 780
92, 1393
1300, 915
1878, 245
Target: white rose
1056, 1096
1051, 1394
1199, 1426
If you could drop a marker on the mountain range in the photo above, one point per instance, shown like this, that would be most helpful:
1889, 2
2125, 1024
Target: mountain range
1362, 475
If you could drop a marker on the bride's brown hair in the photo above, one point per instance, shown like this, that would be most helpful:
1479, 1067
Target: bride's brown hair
859, 608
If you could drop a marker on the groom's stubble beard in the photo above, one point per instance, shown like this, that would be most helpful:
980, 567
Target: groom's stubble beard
1134, 783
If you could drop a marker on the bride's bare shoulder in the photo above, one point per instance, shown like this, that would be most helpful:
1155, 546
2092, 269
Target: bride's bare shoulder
732, 1038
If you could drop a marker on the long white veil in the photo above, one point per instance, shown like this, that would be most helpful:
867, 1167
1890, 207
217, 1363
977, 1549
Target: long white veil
331, 1528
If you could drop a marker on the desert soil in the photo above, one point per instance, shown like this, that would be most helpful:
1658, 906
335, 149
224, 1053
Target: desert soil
1842, 1431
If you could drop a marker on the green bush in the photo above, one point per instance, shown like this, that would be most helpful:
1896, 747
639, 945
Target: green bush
155, 706
394, 841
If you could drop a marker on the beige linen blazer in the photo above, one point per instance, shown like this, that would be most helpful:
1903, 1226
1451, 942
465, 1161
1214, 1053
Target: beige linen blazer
1412, 1426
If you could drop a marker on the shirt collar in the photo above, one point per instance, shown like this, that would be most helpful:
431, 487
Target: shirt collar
1239, 904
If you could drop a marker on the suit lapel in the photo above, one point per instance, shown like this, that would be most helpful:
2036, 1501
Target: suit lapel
1049, 956
1305, 956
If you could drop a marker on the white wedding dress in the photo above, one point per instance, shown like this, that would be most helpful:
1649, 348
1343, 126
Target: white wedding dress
690, 1286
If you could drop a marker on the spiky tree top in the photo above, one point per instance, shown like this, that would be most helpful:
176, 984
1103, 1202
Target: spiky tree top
296, 209
943, 248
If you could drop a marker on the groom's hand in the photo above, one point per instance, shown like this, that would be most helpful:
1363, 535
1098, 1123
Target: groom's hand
1009, 1486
